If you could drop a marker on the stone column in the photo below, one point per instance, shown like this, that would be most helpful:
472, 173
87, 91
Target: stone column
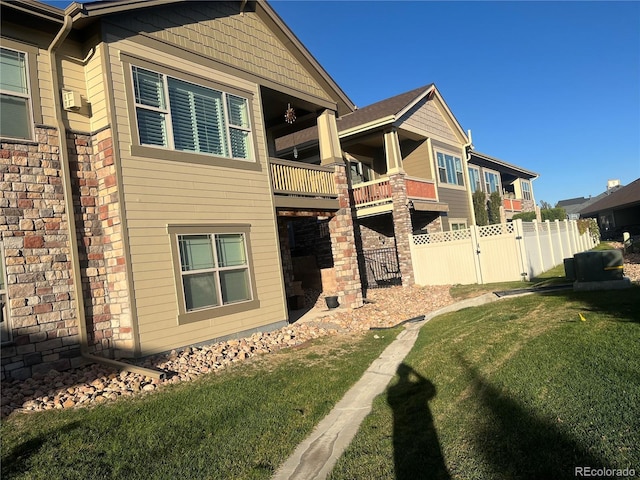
402, 227
343, 245
285, 255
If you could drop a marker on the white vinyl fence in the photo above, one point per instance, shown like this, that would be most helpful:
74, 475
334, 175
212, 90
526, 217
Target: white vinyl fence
495, 253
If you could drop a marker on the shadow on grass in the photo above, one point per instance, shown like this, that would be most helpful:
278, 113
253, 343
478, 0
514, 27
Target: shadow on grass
519, 444
622, 305
17, 461
416, 449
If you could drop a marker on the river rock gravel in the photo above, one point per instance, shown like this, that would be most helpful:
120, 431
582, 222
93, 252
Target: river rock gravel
95, 384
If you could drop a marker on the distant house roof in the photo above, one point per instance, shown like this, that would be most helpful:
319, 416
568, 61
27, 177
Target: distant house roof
483, 159
623, 197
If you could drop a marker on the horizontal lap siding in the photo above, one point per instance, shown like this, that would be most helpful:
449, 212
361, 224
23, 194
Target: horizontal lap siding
161, 192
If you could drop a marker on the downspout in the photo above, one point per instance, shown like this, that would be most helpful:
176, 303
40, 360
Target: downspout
467, 150
71, 222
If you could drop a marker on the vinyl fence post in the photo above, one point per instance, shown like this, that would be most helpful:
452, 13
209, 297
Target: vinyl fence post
475, 248
539, 247
557, 222
524, 261
551, 251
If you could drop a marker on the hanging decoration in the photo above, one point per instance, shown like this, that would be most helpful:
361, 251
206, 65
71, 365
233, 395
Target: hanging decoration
289, 114
290, 117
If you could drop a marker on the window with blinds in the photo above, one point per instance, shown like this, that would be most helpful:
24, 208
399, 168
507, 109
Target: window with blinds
179, 115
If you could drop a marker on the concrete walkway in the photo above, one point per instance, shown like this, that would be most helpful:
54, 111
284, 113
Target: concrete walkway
316, 456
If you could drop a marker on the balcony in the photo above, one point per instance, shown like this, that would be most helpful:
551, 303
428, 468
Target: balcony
512, 204
302, 186
375, 197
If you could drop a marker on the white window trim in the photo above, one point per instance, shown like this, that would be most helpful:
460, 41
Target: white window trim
477, 169
455, 172
9, 93
209, 312
169, 123
486, 184
458, 221
526, 192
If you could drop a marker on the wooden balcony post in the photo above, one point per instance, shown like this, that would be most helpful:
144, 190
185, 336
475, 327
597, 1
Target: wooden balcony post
330, 150
392, 152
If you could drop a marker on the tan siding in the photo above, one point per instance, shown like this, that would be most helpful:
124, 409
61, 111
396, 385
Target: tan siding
415, 159
72, 64
457, 201
96, 91
218, 31
427, 117
161, 192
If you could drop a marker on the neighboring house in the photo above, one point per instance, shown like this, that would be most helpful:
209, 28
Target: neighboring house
617, 211
407, 158
154, 123
573, 206
514, 183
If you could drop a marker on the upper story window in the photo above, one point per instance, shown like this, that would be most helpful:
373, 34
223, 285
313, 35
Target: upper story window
474, 179
526, 189
178, 115
491, 182
15, 99
450, 169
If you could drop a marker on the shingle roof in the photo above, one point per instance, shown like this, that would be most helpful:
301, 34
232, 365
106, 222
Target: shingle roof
622, 197
381, 109
364, 115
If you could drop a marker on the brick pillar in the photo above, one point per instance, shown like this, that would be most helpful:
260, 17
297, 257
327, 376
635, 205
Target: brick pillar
285, 255
343, 246
402, 226
101, 255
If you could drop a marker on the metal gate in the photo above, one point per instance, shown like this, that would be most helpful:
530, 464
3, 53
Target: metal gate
381, 268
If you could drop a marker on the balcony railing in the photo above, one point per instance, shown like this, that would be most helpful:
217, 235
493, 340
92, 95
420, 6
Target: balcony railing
512, 204
421, 189
301, 179
371, 193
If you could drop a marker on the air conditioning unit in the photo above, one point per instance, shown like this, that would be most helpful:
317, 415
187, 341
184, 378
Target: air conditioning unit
71, 100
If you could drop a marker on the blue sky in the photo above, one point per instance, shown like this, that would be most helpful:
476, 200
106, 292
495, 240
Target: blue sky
553, 87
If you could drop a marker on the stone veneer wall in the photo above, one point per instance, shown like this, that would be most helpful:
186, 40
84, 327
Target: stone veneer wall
285, 255
402, 227
312, 238
34, 234
343, 245
376, 232
101, 255
33, 230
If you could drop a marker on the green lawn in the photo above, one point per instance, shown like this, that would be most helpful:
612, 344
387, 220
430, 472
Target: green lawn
239, 424
521, 388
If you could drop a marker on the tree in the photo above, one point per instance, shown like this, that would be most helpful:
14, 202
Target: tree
552, 214
495, 202
480, 208
545, 205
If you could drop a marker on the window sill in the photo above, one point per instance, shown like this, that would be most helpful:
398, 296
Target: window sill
215, 312
451, 186
195, 158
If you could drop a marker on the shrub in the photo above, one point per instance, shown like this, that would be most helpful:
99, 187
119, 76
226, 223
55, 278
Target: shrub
495, 202
590, 224
525, 216
480, 208
552, 214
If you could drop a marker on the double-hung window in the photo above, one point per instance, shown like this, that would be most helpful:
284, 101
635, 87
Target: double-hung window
179, 115
474, 179
214, 270
450, 169
526, 189
15, 100
492, 182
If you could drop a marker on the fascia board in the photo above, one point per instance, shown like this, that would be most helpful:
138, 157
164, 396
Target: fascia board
367, 126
